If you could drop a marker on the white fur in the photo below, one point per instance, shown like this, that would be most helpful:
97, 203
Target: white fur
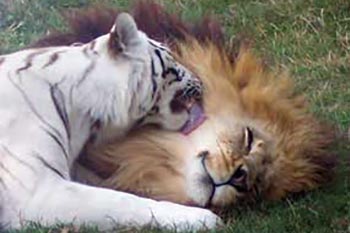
32, 191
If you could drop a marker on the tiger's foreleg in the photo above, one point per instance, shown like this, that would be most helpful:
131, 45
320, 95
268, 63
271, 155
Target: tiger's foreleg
70, 202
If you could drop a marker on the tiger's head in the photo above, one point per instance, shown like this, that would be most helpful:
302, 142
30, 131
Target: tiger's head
162, 90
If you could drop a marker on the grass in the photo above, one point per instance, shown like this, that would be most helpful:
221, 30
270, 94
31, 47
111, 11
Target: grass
311, 38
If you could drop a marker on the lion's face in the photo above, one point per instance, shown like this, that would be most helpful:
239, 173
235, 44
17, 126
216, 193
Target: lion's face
225, 165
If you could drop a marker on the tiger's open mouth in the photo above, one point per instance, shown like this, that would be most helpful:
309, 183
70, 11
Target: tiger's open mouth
194, 108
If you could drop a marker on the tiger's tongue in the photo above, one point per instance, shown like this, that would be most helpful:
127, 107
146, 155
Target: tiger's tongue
195, 119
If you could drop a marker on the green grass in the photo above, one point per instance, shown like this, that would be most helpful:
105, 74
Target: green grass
309, 38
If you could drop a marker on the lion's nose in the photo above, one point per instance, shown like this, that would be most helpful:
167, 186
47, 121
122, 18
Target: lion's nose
239, 179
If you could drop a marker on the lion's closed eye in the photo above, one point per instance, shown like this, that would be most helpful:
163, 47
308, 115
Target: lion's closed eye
248, 139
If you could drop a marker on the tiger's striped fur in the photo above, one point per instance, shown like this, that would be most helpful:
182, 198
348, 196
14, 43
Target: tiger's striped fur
53, 100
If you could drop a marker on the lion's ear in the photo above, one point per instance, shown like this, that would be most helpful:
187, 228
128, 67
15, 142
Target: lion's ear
124, 34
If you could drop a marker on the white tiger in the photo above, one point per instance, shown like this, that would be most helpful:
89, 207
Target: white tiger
53, 100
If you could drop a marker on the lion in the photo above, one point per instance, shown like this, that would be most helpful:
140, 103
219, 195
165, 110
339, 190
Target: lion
259, 139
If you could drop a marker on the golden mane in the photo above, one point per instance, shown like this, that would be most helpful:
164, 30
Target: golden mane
302, 159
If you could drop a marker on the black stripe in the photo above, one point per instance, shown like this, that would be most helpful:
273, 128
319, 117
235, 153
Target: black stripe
47, 165
174, 72
52, 59
9, 153
157, 52
29, 60
59, 102
25, 97
2, 183
154, 76
193, 92
86, 51
26, 66
12, 175
165, 49
153, 68
6, 170
86, 73
178, 77
92, 45
57, 140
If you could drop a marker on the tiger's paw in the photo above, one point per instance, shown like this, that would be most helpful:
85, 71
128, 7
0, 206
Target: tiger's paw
182, 218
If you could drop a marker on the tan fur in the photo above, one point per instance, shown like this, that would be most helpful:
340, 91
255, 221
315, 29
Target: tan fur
290, 153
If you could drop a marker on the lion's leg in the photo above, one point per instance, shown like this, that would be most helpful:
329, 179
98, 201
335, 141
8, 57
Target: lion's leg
58, 200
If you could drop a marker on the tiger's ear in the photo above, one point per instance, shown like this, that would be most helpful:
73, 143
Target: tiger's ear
124, 34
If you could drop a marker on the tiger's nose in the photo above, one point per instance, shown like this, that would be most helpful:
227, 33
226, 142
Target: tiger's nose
239, 180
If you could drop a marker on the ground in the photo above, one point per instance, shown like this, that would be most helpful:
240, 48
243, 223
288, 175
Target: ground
310, 38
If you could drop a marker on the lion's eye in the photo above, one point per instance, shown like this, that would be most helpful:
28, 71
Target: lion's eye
239, 174
248, 139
